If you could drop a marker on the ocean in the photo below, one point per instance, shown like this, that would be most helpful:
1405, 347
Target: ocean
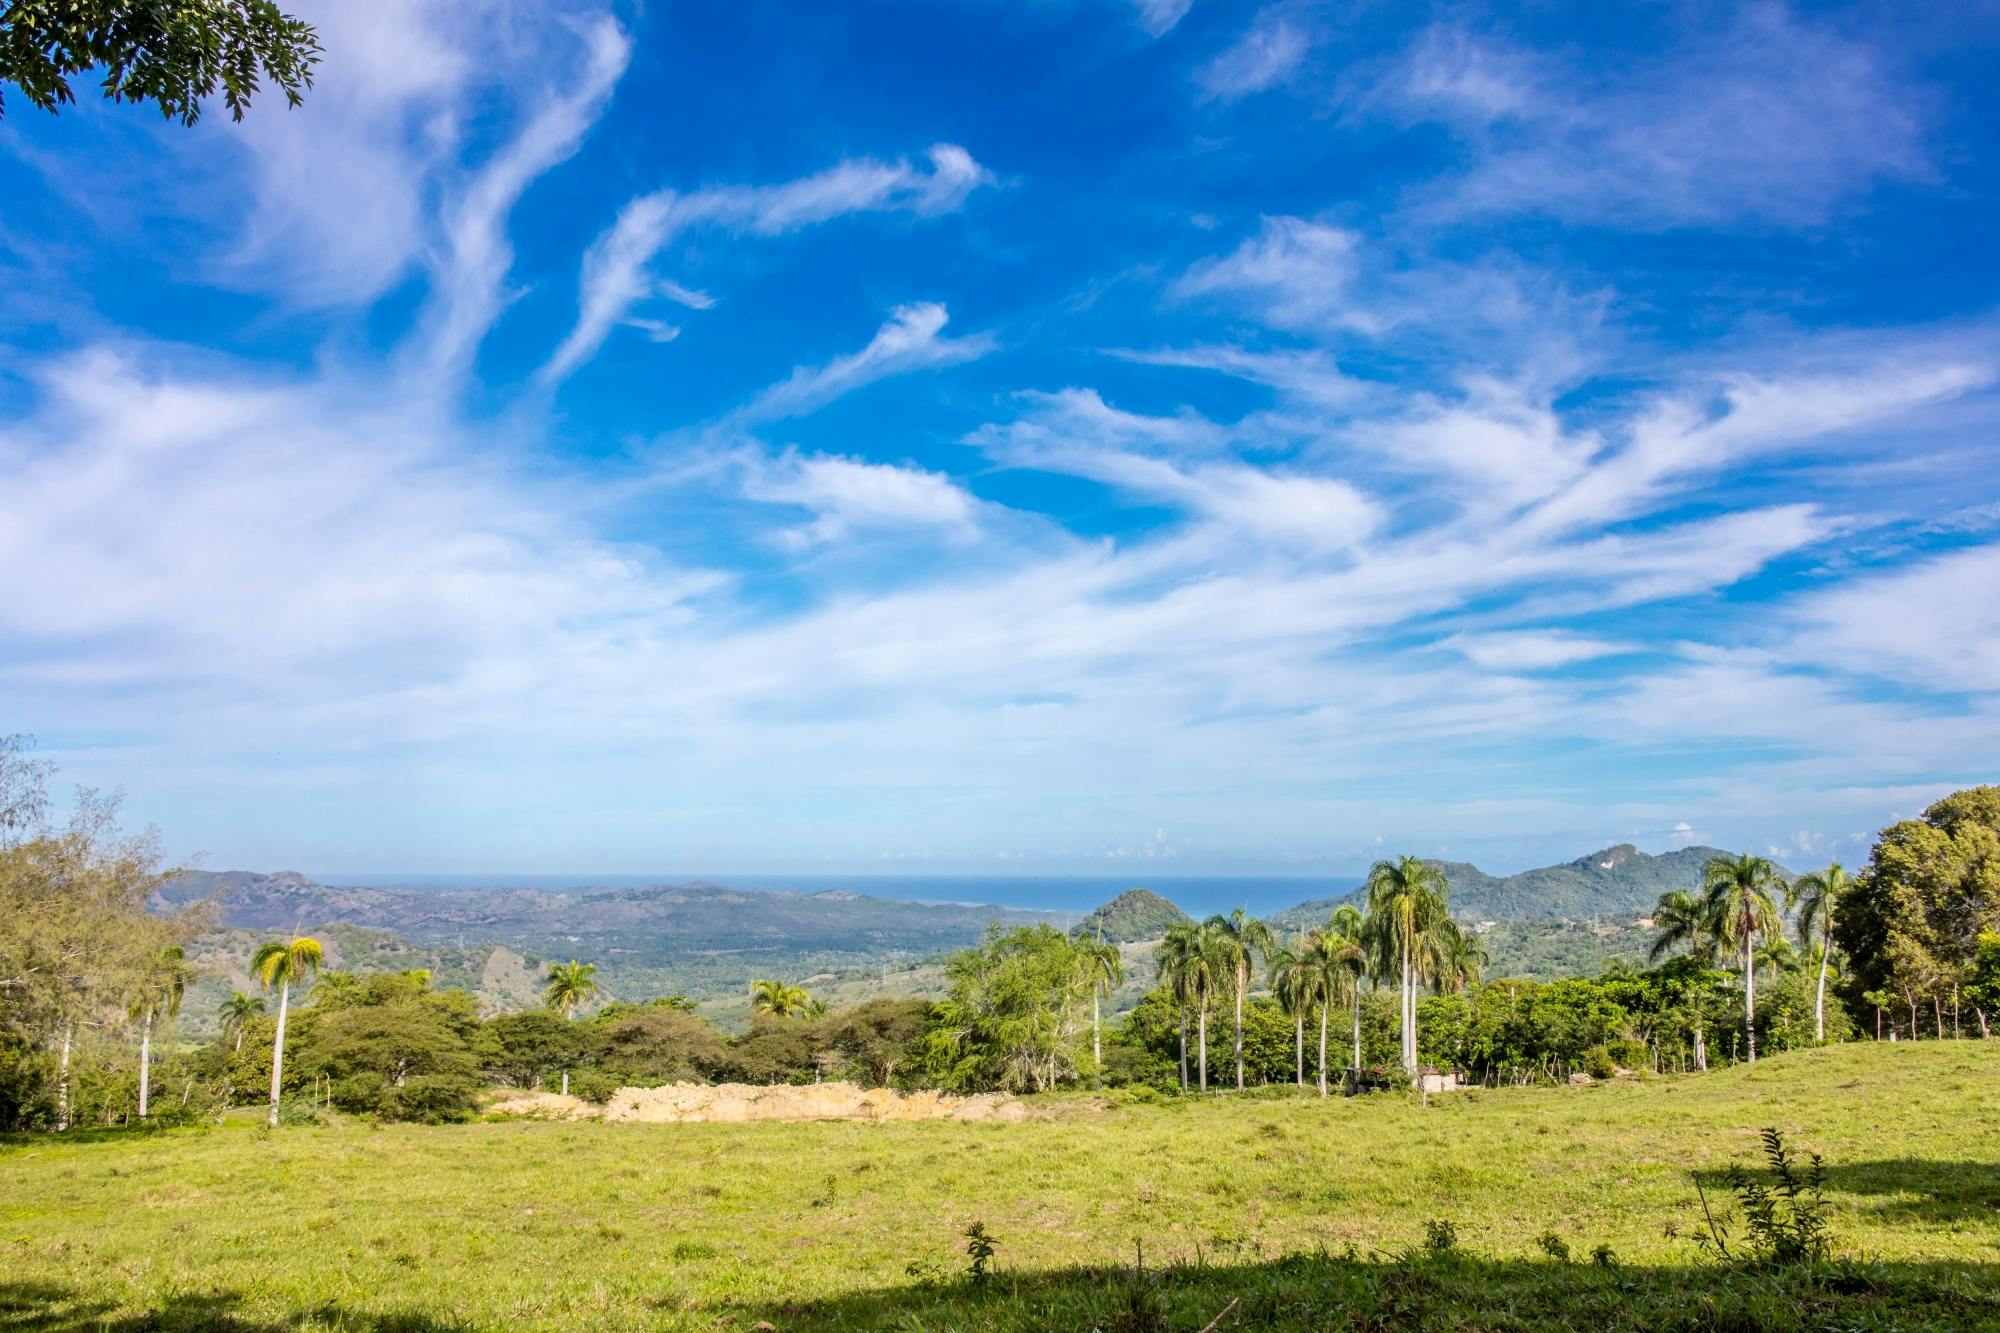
1198, 895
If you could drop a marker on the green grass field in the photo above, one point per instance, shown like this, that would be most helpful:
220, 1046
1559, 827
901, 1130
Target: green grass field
1256, 1200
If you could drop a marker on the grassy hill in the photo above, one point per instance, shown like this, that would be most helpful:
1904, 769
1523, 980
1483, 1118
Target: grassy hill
1299, 1209
1134, 915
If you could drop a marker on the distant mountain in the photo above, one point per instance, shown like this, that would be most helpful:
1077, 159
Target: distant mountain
1136, 914
1618, 881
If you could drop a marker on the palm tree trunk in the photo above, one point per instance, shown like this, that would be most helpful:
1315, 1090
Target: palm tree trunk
1700, 1045
145, 1060
1201, 1041
1409, 1013
278, 1048
1357, 1025
1242, 983
1184, 1082
1299, 1044
565, 1091
1322, 1048
1749, 1000
62, 1082
1096, 1038
1819, 994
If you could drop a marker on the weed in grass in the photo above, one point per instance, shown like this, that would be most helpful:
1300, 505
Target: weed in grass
1786, 1220
979, 1248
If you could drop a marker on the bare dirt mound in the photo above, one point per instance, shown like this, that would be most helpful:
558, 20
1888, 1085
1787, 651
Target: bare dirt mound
735, 1103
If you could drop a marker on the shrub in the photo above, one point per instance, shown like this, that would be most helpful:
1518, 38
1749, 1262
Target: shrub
1597, 1063
1629, 1054
594, 1085
1786, 1219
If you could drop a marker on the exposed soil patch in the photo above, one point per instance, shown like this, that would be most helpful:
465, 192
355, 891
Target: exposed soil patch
738, 1102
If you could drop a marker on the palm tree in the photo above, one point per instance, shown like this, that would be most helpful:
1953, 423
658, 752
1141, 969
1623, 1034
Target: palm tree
1406, 923
1683, 921
570, 987
1293, 985
1348, 923
1332, 965
236, 1013
1819, 895
1239, 938
160, 990
1103, 970
1178, 958
1738, 893
280, 965
780, 999
1461, 957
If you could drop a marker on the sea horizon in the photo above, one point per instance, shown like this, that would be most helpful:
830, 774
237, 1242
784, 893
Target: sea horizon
1078, 895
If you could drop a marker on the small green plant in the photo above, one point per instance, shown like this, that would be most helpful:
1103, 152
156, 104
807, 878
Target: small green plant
1440, 1234
979, 1247
1604, 1256
1786, 1219
1598, 1063
828, 1191
1554, 1246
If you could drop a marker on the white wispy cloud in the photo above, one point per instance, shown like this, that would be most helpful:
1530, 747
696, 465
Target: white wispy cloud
1158, 17
909, 340
1533, 650
1296, 273
468, 282
851, 495
615, 270
1772, 116
1268, 53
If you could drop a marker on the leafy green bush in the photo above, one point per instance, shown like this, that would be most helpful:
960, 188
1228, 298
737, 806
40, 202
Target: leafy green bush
1597, 1063
1786, 1219
594, 1085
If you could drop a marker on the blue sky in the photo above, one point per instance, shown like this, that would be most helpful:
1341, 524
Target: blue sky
966, 437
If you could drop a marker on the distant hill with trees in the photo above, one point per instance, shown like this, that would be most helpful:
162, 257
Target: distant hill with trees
1134, 915
1619, 881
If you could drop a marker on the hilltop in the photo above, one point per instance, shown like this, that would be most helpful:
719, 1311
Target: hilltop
1619, 881
1134, 915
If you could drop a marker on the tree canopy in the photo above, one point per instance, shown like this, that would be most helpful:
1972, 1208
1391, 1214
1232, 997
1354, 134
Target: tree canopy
175, 54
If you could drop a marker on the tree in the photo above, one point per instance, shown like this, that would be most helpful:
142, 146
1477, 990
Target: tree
1013, 1016
570, 987
236, 1012
1103, 972
172, 53
1406, 921
1186, 972
76, 932
1238, 939
279, 965
1738, 896
1349, 925
1683, 922
1909, 924
159, 991
1292, 986
1326, 970
779, 999
390, 1045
